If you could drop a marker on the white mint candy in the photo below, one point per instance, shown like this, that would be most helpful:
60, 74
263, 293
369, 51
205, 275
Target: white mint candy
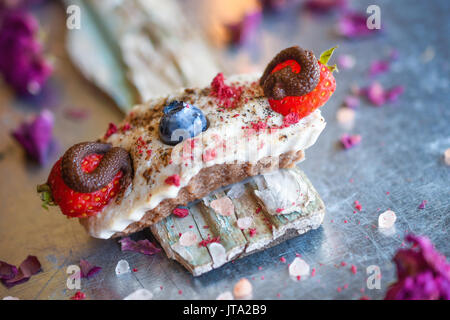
122, 267
387, 219
298, 267
140, 294
244, 223
227, 295
188, 239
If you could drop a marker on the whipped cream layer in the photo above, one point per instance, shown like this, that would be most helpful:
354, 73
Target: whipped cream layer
246, 133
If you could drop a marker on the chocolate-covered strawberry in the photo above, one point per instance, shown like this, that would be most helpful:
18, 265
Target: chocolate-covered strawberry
294, 81
86, 178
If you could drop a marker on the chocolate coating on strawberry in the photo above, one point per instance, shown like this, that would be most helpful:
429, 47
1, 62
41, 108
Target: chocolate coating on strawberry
114, 159
285, 82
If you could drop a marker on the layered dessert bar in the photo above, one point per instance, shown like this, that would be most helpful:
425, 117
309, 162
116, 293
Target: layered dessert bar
180, 147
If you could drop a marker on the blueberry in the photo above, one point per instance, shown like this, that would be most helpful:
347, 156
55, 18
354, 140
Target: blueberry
181, 121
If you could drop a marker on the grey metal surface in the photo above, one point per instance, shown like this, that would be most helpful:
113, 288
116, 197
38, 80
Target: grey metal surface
401, 153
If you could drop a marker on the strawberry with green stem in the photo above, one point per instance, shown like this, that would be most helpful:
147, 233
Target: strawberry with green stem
306, 104
73, 203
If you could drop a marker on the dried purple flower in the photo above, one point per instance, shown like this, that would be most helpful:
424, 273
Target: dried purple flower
395, 92
21, 59
423, 204
324, 6
141, 246
354, 25
36, 136
7, 271
87, 269
276, 5
242, 31
423, 273
378, 96
349, 141
29, 267
379, 66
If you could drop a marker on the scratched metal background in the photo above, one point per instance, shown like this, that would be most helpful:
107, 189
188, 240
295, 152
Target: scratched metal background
401, 153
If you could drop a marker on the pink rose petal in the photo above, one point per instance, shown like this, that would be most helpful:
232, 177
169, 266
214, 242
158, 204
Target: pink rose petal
395, 92
87, 269
378, 67
36, 137
29, 267
141, 246
354, 25
351, 102
243, 31
423, 204
349, 141
325, 6
376, 94
7, 271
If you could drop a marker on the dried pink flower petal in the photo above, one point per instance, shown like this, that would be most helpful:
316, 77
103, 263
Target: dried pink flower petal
423, 273
423, 204
141, 246
349, 141
376, 94
29, 267
274, 6
21, 59
36, 137
324, 6
7, 271
242, 31
353, 25
87, 269
351, 101
378, 67
393, 93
